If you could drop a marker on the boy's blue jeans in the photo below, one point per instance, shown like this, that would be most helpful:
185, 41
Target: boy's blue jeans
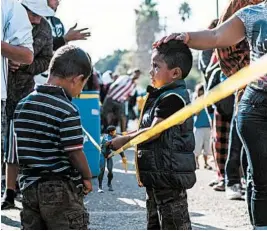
252, 126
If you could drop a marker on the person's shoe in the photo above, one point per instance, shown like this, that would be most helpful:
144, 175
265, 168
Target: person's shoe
110, 188
5, 205
208, 167
100, 190
234, 192
219, 187
214, 182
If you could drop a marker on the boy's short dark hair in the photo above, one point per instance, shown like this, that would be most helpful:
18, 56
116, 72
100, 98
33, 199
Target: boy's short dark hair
176, 54
111, 128
70, 61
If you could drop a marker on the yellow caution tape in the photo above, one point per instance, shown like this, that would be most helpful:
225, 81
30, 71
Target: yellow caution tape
221, 91
92, 139
88, 96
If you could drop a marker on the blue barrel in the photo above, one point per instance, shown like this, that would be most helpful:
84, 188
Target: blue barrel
88, 104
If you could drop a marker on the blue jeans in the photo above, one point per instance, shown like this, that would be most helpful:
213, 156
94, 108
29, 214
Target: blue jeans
236, 156
252, 126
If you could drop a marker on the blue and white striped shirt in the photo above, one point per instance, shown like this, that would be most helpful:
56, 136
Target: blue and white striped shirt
46, 127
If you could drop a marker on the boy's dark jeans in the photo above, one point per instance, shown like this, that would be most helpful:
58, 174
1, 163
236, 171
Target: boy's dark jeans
252, 126
167, 209
53, 204
236, 157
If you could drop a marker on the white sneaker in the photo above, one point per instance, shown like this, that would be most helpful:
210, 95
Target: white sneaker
100, 190
233, 192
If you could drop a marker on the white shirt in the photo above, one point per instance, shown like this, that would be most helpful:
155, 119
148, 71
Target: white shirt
16, 30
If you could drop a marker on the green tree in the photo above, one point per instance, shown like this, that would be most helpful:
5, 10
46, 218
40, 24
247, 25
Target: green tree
185, 11
110, 62
147, 25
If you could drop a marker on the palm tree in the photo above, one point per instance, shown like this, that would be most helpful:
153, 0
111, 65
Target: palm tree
147, 25
185, 11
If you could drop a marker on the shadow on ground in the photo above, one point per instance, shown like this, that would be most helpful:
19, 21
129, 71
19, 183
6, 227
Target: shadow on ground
197, 226
8, 221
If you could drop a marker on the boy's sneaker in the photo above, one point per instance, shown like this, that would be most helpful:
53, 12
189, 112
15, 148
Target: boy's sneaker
110, 188
234, 192
219, 187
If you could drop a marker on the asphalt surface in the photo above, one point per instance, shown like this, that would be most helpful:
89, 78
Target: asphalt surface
124, 208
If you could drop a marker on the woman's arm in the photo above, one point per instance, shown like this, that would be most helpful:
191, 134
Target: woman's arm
227, 34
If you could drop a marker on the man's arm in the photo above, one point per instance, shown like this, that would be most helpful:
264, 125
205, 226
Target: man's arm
43, 50
17, 53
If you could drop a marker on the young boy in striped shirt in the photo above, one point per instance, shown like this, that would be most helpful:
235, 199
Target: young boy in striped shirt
48, 146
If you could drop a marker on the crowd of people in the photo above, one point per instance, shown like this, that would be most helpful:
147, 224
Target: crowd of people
41, 132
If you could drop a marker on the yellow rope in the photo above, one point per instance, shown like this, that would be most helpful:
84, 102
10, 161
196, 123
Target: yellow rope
223, 90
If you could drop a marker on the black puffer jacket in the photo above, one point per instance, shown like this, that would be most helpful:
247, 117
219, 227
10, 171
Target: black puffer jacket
169, 161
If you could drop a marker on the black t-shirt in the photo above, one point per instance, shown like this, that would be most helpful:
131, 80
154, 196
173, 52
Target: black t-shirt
168, 106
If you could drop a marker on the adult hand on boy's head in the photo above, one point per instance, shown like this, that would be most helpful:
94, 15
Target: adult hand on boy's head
87, 186
174, 36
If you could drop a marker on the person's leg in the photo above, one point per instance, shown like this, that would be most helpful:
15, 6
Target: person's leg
252, 126
110, 172
30, 215
234, 156
207, 147
11, 170
3, 131
61, 205
173, 209
221, 146
249, 195
199, 144
102, 172
152, 212
3, 139
233, 163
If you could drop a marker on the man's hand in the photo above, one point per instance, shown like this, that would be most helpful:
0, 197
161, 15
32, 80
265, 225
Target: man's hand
118, 142
13, 66
73, 34
87, 186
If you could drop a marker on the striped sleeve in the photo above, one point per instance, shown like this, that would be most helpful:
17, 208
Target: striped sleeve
71, 135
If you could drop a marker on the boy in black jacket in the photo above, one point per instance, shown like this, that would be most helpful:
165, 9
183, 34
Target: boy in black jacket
166, 163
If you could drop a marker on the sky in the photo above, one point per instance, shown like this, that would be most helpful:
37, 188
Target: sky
112, 22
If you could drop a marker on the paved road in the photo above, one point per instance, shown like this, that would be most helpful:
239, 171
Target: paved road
125, 207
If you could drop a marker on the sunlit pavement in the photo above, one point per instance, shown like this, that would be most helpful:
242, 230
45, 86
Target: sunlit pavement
124, 208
